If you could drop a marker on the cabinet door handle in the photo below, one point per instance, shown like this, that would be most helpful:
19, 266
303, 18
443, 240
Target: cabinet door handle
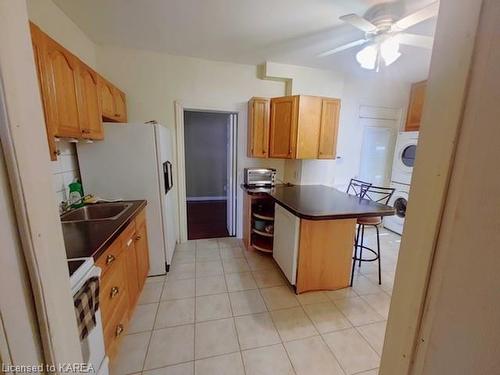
114, 292
119, 330
138, 237
110, 259
129, 242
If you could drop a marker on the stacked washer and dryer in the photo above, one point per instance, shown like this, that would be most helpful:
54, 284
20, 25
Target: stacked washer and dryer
402, 169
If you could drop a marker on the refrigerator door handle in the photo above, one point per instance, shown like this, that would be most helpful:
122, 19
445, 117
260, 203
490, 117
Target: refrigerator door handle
170, 175
166, 177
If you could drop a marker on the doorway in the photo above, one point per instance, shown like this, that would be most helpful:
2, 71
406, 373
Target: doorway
210, 167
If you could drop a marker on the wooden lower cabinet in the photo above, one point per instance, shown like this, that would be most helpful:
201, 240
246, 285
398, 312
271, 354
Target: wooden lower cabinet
122, 279
324, 254
141, 247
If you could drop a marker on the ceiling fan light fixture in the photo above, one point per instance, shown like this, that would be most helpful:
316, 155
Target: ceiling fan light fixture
389, 49
367, 57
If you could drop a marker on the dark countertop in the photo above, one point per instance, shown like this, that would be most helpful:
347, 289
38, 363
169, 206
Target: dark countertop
92, 238
318, 202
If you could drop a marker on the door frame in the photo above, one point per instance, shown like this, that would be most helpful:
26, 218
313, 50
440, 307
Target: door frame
26, 153
179, 109
452, 53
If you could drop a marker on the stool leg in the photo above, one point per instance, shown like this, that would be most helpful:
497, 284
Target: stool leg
362, 243
378, 255
355, 254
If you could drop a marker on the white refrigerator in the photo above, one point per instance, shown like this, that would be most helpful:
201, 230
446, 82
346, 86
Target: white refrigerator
134, 161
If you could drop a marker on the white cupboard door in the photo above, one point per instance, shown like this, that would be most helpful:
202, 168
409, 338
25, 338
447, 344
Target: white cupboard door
286, 242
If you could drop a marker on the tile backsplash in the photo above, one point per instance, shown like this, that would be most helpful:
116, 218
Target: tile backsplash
64, 170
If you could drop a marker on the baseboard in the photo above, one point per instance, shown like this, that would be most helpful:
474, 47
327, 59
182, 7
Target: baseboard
195, 199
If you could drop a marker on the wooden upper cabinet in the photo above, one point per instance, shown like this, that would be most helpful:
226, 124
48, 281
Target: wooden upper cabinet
417, 99
37, 41
120, 105
107, 98
330, 111
90, 104
258, 128
308, 127
61, 76
113, 102
283, 127
74, 98
303, 127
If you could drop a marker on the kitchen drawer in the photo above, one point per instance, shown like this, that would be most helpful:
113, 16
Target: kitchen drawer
108, 259
128, 235
113, 289
114, 328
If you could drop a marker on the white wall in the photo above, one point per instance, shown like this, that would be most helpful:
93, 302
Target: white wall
353, 92
57, 25
381, 92
153, 81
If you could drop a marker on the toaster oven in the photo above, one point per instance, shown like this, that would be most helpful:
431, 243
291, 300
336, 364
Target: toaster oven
260, 176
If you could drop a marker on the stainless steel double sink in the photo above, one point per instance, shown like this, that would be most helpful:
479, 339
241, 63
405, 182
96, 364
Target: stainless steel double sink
96, 212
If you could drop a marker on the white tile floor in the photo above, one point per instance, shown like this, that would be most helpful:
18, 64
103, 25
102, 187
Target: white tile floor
222, 310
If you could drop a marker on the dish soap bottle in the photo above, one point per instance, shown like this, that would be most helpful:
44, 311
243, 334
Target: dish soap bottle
75, 194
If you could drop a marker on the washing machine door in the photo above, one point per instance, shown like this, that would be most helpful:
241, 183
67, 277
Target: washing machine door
399, 201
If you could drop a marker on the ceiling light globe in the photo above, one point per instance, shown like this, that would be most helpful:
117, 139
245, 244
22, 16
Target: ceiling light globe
367, 57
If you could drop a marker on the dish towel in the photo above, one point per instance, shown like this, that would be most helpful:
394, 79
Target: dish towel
86, 303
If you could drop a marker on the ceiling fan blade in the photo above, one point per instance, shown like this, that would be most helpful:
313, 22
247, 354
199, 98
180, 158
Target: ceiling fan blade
415, 40
417, 17
343, 47
359, 22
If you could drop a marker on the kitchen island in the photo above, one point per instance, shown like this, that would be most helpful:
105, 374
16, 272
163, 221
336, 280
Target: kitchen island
314, 229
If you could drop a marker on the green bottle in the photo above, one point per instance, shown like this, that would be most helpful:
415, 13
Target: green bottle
76, 194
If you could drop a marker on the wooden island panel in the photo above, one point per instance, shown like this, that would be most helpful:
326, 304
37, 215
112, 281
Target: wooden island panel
325, 254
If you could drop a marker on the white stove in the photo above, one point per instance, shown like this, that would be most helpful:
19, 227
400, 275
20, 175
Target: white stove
93, 351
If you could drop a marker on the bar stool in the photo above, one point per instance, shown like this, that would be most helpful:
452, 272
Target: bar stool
357, 187
377, 194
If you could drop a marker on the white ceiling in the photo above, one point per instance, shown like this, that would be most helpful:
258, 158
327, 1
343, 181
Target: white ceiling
244, 31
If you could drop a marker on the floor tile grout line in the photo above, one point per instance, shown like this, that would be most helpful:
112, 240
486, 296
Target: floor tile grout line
368, 342
334, 356
330, 300
234, 326
154, 323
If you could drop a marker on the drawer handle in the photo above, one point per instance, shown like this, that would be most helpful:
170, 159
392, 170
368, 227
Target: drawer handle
138, 237
129, 242
110, 259
114, 292
119, 330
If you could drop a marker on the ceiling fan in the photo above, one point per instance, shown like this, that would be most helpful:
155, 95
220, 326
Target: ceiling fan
383, 35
